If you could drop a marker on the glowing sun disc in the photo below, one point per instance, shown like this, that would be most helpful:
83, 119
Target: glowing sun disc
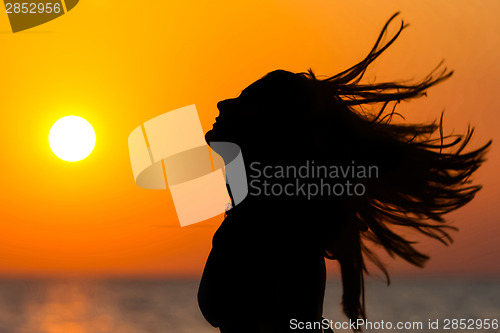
72, 138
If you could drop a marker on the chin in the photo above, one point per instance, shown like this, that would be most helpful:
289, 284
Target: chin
217, 133
210, 136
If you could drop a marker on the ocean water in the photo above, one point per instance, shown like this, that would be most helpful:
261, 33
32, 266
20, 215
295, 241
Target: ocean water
157, 306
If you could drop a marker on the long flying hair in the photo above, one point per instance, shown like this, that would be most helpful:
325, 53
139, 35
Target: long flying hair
422, 177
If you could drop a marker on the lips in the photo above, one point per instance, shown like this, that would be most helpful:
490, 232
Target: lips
217, 124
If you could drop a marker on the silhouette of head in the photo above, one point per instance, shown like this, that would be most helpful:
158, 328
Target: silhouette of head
270, 118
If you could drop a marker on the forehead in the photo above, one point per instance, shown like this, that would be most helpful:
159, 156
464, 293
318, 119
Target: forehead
254, 89
272, 83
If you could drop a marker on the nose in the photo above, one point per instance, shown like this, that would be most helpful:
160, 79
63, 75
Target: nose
223, 105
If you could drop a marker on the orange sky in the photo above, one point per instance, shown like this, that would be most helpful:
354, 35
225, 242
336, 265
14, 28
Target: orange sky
118, 64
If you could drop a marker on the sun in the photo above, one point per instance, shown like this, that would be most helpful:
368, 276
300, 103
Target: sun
72, 138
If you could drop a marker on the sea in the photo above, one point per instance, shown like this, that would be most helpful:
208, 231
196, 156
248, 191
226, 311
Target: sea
169, 305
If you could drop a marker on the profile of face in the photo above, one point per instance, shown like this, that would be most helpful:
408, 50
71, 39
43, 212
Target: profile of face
265, 115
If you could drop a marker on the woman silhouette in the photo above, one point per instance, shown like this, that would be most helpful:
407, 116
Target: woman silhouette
266, 269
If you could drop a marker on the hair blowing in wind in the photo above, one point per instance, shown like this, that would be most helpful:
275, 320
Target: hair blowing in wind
426, 176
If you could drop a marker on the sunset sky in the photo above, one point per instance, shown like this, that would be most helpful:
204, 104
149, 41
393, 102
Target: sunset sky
119, 63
